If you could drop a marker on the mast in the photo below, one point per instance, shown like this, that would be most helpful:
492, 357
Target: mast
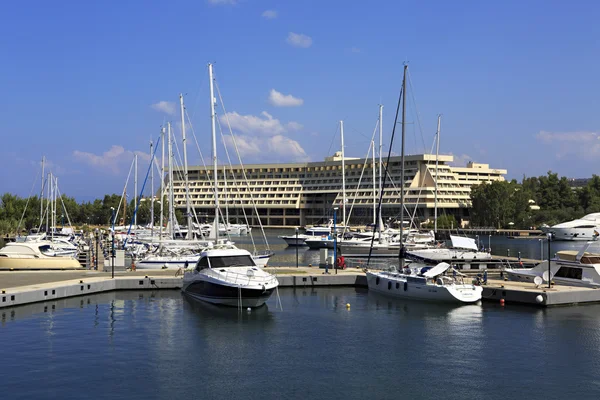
42, 193
214, 148
402, 250
380, 165
185, 172
343, 175
171, 204
135, 194
437, 152
49, 202
162, 182
374, 187
125, 204
152, 192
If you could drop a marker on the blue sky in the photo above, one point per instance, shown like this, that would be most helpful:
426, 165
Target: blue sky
82, 82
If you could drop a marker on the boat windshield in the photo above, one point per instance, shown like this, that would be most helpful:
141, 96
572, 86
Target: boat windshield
231, 261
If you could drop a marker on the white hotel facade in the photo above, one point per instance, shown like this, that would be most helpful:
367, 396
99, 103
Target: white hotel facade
300, 194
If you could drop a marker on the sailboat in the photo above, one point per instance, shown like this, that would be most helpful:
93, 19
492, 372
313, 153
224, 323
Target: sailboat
226, 276
419, 283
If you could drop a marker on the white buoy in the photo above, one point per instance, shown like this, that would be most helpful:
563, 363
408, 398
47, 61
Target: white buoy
249, 309
539, 299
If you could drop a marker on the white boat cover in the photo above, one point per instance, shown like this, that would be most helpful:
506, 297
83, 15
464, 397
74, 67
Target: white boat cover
460, 242
437, 270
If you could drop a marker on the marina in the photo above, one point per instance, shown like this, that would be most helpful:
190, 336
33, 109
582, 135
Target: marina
147, 345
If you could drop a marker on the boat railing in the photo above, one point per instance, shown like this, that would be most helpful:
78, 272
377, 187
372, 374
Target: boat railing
238, 278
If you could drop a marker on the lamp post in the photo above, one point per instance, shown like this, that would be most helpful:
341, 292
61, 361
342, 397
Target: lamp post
112, 252
477, 239
335, 239
296, 247
62, 220
541, 249
490, 243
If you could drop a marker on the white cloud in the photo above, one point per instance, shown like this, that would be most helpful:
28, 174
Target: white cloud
284, 100
222, 2
355, 50
287, 148
262, 149
578, 143
264, 124
269, 14
247, 145
164, 106
299, 40
112, 160
460, 160
294, 126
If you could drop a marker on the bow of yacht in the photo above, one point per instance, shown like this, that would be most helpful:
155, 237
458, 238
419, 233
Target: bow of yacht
229, 277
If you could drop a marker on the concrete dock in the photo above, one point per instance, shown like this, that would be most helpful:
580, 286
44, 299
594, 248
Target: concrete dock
19, 287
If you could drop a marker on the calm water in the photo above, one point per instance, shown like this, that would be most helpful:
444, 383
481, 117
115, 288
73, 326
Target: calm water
143, 345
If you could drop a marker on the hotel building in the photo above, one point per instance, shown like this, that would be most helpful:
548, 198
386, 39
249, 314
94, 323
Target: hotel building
299, 194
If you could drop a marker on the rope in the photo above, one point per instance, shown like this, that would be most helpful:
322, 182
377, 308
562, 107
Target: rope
26, 203
236, 184
237, 151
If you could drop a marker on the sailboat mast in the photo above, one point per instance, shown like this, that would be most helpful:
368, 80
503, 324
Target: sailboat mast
171, 203
374, 186
380, 163
185, 171
214, 148
42, 193
135, 194
151, 191
343, 175
437, 153
162, 182
49, 201
402, 169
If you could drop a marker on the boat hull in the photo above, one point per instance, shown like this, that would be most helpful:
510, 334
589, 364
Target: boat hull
398, 288
50, 263
293, 240
573, 234
227, 295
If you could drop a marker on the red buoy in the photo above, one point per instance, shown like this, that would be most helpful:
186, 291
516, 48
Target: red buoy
502, 302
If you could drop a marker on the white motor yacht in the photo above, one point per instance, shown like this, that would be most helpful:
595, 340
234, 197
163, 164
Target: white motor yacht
584, 228
313, 232
229, 277
34, 255
432, 285
570, 267
463, 250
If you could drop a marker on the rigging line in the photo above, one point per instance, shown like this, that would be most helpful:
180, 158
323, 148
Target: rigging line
387, 163
412, 94
143, 186
194, 214
235, 182
371, 145
64, 207
237, 151
37, 176
124, 190
201, 159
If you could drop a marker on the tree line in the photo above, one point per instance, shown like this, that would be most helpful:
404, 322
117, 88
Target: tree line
21, 214
507, 204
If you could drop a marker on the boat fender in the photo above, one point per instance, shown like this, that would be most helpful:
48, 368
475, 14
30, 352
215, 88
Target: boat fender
405, 286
